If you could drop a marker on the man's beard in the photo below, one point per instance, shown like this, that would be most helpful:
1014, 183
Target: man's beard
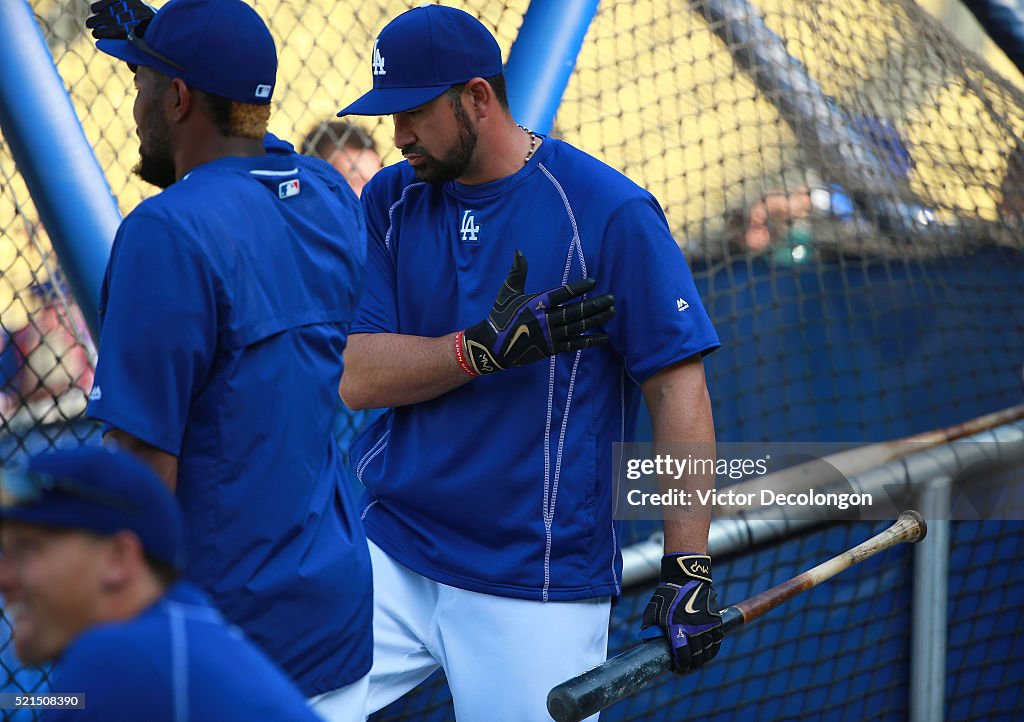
155, 164
456, 161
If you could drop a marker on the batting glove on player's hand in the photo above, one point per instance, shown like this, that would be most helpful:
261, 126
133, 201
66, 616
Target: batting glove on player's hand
684, 608
522, 328
111, 19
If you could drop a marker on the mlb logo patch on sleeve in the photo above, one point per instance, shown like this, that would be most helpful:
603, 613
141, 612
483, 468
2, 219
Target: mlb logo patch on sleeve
288, 189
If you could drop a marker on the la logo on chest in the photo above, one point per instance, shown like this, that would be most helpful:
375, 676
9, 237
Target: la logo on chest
469, 230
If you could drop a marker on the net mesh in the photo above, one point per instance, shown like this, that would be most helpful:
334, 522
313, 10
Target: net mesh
840, 651
847, 183
745, 101
46, 355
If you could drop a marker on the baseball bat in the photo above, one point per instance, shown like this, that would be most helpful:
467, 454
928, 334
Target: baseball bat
627, 673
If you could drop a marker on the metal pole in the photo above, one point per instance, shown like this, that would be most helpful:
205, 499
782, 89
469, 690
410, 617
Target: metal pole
52, 154
543, 57
928, 640
891, 485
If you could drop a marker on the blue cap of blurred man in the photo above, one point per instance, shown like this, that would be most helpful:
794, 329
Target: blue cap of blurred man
88, 536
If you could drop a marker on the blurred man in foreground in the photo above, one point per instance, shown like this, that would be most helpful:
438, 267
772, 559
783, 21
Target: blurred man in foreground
92, 549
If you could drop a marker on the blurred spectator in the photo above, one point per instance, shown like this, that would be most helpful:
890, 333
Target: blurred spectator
53, 368
780, 218
769, 213
351, 150
348, 148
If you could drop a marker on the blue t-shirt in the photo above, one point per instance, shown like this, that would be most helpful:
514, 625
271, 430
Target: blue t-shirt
505, 485
224, 313
178, 660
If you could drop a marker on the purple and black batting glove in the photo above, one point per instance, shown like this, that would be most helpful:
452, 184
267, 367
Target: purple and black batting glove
684, 608
111, 19
522, 328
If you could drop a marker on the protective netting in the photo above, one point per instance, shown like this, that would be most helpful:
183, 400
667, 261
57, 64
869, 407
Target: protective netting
847, 183
817, 657
46, 355
754, 106
840, 651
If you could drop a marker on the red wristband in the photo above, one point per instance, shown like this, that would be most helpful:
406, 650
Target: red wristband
460, 354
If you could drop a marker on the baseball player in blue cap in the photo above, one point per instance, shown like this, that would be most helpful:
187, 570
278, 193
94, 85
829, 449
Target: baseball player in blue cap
490, 484
224, 313
93, 546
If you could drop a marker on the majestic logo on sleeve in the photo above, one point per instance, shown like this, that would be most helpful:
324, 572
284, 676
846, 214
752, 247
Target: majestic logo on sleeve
378, 61
469, 228
681, 305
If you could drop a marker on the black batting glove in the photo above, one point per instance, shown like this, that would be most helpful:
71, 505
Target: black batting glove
111, 19
684, 609
522, 328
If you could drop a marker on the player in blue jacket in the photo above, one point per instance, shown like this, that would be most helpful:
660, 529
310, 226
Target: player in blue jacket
490, 484
224, 312
93, 545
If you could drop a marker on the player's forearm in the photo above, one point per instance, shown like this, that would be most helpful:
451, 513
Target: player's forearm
387, 369
680, 408
165, 465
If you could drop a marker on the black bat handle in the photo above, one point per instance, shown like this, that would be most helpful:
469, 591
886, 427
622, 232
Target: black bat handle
619, 677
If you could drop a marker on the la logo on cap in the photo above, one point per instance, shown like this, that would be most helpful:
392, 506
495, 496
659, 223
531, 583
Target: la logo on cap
378, 61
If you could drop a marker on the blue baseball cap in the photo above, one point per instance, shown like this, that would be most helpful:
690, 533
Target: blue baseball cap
422, 53
97, 490
221, 47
